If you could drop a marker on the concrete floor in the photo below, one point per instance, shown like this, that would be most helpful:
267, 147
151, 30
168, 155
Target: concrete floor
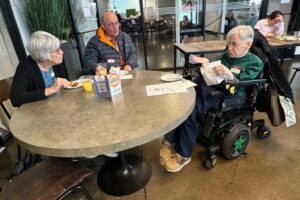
270, 170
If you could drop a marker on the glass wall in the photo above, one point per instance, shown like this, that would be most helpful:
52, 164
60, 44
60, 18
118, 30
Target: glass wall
241, 12
170, 21
85, 21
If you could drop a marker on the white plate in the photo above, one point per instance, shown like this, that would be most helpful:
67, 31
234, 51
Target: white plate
77, 84
171, 77
290, 38
123, 72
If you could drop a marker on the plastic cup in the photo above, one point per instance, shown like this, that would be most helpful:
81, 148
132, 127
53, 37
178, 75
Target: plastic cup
102, 68
295, 34
87, 85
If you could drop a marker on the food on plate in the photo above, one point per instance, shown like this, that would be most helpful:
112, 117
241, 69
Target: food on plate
74, 84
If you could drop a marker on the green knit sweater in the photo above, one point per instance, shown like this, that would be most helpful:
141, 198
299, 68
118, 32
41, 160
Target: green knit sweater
248, 67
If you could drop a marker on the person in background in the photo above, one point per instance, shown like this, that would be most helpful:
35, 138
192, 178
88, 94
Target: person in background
231, 21
237, 64
185, 21
253, 14
273, 25
41, 73
111, 46
118, 16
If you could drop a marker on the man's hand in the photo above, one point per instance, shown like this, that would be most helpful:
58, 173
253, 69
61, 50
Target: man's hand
127, 68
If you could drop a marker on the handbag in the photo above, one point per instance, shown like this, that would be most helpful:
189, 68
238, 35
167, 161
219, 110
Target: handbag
275, 111
268, 101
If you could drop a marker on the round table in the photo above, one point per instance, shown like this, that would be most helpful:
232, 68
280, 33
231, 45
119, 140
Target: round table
73, 123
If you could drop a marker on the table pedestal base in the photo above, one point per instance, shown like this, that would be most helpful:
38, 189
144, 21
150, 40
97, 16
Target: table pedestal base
124, 175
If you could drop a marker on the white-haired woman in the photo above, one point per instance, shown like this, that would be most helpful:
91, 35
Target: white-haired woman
41, 73
237, 64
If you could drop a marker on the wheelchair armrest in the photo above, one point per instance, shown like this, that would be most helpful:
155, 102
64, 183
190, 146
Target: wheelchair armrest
257, 83
251, 82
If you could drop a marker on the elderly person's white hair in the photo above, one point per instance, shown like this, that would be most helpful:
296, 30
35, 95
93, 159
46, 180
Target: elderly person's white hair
246, 33
40, 45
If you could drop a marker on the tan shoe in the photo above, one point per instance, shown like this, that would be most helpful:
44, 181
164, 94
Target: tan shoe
165, 152
176, 163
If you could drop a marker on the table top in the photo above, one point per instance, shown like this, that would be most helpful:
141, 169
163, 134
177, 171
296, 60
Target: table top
279, 43
73, 123
202, 47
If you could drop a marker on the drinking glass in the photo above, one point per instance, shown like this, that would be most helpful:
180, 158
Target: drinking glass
87, 85
102, 68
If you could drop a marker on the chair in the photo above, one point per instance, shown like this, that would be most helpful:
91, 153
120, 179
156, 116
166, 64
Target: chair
5, 86
53, 178
296, 70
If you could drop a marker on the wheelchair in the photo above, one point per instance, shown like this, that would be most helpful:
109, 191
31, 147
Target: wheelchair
228, 128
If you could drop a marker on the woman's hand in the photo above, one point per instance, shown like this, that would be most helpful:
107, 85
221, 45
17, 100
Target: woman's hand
222, 70
59, 82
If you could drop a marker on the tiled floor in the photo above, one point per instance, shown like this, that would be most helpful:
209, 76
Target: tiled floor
270, 170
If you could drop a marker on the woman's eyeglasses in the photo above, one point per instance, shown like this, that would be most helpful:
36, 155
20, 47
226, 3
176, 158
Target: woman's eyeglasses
58, 50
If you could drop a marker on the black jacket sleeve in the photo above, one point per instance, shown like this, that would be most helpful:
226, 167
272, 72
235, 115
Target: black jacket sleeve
24, 88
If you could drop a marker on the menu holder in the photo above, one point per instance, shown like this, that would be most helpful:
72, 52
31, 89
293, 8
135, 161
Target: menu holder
108, 85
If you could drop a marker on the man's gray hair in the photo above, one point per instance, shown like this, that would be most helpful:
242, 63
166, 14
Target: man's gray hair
246, 33
40, 45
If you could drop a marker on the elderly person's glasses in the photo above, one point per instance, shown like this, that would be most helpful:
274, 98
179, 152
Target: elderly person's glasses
113, 24
233, 44
58, 50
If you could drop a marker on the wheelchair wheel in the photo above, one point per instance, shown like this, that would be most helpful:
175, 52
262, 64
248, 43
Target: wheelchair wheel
210, 163
236, 141
263, 132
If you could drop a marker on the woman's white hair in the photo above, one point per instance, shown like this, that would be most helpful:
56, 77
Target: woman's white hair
246, 33
40, 45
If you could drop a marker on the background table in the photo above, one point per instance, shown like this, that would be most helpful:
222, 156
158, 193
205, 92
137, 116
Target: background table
73, 123
282, 44
214, 46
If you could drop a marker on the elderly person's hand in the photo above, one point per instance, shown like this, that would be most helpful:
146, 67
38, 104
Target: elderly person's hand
196, 59
222, 70
127, 68
100, 71
59, 82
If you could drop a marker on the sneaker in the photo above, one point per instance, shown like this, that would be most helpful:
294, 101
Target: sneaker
2, 149
176, 163
90, 157
166, 151
112, 155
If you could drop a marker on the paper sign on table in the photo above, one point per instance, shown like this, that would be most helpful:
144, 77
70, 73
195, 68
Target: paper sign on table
108, 85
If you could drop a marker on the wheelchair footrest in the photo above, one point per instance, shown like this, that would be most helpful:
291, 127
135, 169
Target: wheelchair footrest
209, 121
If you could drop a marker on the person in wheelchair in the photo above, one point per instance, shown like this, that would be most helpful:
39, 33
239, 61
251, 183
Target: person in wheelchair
238, 64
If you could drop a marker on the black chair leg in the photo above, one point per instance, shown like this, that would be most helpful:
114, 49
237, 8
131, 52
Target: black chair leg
78, 187
19, 152
293, 76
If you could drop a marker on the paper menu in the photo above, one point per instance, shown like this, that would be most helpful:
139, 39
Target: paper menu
169, 88
209, 75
